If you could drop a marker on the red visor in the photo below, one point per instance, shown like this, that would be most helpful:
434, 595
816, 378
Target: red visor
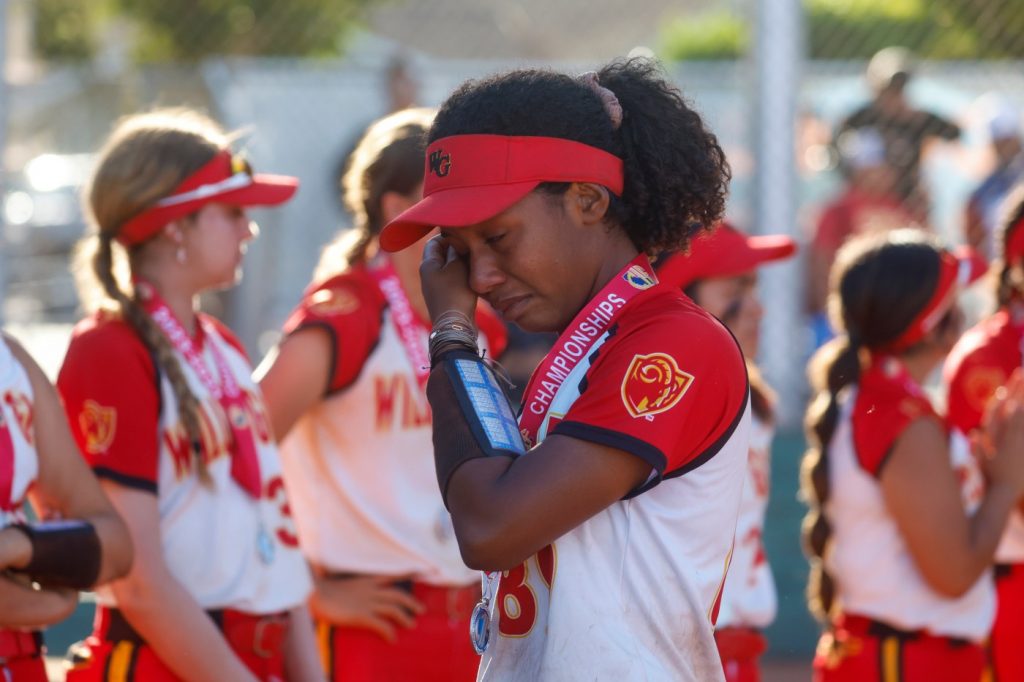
470, 178
226, 178
725, 252
957, 270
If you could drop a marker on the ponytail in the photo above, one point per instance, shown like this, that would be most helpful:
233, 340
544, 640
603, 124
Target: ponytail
157, 343
834, 367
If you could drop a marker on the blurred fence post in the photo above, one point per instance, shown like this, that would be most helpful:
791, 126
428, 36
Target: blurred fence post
778, 55
3, 166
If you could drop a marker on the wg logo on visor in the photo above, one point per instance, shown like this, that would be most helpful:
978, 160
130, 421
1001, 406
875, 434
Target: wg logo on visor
440, 163
638, 278
653, 384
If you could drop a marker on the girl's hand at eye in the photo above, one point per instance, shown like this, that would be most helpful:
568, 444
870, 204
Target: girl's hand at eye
444, 276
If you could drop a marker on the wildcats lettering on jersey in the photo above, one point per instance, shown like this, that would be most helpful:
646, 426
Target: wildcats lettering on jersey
572, 349
393, 391
215, 431
21, 406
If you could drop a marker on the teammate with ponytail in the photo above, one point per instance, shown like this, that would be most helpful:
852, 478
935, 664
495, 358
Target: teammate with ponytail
344, 391
604, 517
901, 530
981, 363
163, 406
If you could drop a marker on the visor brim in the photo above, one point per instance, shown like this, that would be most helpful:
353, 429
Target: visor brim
455, 207
265, 190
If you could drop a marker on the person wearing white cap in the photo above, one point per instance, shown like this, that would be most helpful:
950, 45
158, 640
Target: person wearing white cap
904, 128
982, 213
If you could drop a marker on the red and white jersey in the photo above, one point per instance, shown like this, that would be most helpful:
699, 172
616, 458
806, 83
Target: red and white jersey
874, 571
980, 363
360, 464
19, 463
632, 593
749, 598
225, 546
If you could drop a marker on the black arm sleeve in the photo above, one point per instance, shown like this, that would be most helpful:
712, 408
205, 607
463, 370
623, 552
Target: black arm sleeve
471, 415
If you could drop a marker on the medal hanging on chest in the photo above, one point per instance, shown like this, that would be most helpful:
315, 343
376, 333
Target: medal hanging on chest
264, 544
480, 620
245, 463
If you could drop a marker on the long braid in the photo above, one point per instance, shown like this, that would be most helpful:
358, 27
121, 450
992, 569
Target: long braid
879, 284
188, 405
834, 367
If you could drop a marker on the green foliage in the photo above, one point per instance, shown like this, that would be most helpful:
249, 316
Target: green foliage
709, 36
189, 30
65, 30
856, 29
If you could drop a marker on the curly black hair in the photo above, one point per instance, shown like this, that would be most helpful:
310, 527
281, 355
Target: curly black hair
676, 174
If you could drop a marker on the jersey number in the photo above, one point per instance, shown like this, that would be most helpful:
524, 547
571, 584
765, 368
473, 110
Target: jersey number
516, 599
276, 493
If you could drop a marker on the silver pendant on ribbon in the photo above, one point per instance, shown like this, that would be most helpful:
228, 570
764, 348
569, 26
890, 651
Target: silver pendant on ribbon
264, 545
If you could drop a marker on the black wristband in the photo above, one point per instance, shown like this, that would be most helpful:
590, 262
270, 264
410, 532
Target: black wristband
65, 553
472, 415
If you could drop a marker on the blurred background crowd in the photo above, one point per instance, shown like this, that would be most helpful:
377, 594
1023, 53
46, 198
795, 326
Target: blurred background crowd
838, 117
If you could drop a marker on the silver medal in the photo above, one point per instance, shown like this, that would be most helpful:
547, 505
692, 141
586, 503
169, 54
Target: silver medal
264, 545
480, 620
480, 626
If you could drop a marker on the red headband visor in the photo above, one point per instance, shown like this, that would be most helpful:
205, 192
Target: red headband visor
725, 252
470, 178
956, 271
226, 178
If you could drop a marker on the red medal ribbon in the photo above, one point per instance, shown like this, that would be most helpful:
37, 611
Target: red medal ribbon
6, 465
245, 463
409, 328
575, 342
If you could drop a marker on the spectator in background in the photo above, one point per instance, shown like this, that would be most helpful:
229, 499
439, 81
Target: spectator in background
983, 208
903, 128
867, 204
720, 274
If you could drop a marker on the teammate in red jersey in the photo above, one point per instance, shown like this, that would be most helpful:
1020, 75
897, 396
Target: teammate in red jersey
902, 529
981, 363
719, 273
163, 405
88, 545
345, 392
605, 517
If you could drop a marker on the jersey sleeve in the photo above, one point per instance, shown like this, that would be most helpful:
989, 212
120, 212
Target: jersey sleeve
879, 417
669, 394
349, 309
972, 381
110, 388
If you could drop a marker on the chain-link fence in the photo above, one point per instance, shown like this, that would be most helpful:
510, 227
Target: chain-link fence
824, 141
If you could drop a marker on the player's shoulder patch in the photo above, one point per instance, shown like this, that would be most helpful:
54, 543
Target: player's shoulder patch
653, 383
667, 347
339, 301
